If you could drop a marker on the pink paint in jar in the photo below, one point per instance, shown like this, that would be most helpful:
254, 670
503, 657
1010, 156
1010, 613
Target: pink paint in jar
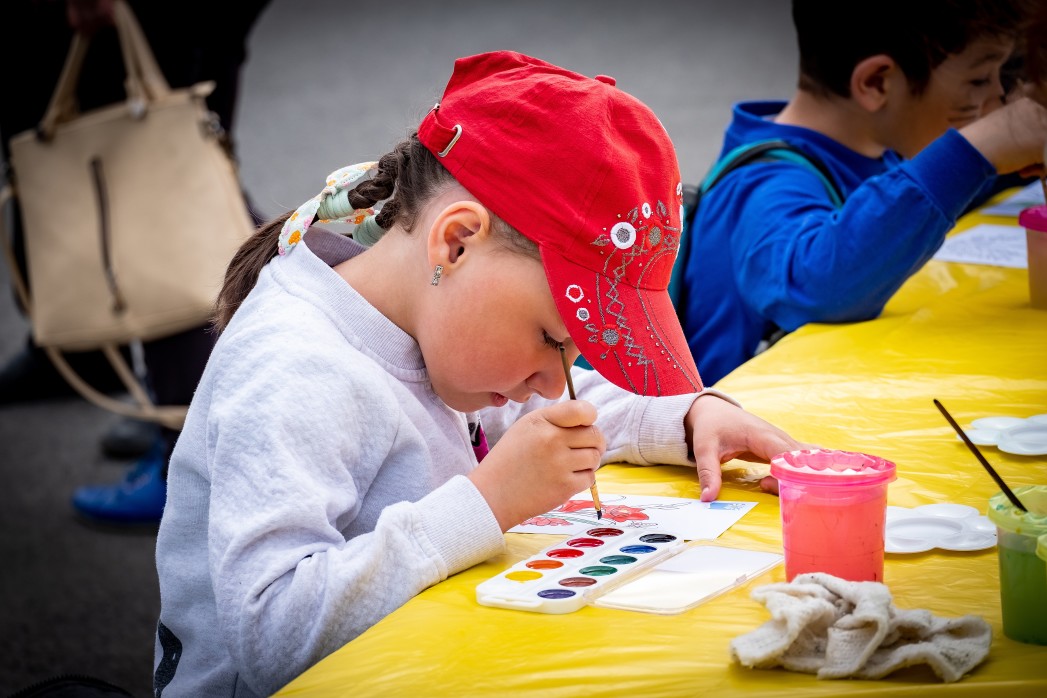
834, 508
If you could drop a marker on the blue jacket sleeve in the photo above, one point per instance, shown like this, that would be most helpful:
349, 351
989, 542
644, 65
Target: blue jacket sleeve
800, 260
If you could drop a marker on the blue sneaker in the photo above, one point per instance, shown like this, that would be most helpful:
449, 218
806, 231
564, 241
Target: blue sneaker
139, 498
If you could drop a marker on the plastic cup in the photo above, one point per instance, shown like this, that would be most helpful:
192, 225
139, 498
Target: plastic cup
1034, 220
1041, 551
834, 508
1023, 575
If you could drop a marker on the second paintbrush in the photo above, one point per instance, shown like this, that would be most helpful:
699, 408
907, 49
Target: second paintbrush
570, 391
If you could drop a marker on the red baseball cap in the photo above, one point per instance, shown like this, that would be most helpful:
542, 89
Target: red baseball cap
588, 173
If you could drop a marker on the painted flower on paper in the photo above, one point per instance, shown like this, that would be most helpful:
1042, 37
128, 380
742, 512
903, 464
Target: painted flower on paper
545, 521
573, 505
622, 513
619, 513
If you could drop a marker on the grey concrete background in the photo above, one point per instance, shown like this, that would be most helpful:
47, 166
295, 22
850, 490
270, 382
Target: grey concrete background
329, 83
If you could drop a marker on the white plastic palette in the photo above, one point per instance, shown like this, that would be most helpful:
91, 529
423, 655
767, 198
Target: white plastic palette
946, 526
652, 572
566, 576
1014, 435
684, 581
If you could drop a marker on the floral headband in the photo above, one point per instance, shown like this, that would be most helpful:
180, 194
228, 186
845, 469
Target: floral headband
332, 204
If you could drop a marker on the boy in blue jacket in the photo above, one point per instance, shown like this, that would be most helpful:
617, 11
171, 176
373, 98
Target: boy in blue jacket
897, 102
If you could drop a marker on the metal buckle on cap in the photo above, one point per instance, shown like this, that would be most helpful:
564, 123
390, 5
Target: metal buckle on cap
457, 135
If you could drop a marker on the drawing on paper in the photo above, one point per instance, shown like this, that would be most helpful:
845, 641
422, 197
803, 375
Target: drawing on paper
690, 519
582, 511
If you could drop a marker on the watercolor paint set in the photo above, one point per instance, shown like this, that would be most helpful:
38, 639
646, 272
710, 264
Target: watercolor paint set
647, 570
568, 575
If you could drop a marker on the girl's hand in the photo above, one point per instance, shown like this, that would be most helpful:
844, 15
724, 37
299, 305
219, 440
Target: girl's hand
718, 431
543, 459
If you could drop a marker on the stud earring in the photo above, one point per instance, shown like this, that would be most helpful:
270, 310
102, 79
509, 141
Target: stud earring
437, 273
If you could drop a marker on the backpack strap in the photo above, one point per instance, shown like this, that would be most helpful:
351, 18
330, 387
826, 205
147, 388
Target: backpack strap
774, 150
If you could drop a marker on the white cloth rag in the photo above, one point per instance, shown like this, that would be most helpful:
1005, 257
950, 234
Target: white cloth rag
824, 625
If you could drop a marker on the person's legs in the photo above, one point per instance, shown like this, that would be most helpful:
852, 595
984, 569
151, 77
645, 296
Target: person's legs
175, 365
191, 46
128, 438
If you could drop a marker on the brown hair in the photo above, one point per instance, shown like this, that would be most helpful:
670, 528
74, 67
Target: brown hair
834, 36
408, 177
1036, 54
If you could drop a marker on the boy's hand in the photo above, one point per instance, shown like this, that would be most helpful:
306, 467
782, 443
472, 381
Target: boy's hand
543, 459
1036, 91
1012, 137
718, 431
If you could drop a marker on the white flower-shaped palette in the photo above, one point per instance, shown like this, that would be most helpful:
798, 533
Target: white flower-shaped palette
1014, 435
945, 526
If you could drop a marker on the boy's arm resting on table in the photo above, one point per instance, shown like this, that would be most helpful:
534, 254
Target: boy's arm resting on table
801, 260
290, 588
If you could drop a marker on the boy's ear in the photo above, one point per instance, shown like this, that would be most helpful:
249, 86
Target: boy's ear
874, 79
456, 228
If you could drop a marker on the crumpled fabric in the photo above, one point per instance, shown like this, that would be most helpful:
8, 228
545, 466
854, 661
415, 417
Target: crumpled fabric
824, 625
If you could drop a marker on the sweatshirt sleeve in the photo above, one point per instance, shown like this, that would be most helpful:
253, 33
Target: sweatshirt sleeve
639, 429
290, 586
798, 259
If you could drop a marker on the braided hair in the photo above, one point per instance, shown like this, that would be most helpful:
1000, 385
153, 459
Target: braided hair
407, 178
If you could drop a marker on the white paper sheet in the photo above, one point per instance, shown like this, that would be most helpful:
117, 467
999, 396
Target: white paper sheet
689, 519
1027, 196
693, 577
993, 245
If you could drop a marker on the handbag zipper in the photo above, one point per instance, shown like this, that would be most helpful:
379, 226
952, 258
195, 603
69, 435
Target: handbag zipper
103, 227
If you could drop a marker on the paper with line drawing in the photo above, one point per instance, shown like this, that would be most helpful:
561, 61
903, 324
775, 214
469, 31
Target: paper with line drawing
690, 519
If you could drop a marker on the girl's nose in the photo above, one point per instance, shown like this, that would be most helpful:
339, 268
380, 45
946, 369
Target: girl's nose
550, 382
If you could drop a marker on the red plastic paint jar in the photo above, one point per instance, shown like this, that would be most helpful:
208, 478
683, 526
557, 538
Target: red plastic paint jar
1034, 220
834, 509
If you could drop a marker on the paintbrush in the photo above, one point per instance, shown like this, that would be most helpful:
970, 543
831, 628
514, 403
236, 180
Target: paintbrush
570, 391
981, 459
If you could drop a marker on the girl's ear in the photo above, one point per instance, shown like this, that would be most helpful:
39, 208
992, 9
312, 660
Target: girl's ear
874, 79
455, 230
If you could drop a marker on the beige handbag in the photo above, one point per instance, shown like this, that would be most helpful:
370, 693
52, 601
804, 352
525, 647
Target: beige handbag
131, 215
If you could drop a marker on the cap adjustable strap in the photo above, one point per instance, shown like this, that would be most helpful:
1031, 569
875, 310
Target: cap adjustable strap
432, 131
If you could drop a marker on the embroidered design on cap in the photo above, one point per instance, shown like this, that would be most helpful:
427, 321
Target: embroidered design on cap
339, 180
638, 239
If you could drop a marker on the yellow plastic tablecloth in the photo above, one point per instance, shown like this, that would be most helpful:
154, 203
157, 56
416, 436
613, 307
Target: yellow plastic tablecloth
964, 334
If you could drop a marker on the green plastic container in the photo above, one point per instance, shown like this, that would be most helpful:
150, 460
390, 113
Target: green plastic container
1041, 550
1021, 548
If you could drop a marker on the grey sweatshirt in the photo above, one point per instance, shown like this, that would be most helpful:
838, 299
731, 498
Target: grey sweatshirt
319, 482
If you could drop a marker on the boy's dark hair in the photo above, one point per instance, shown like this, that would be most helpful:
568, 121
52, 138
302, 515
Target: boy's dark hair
1036, 51
835, 35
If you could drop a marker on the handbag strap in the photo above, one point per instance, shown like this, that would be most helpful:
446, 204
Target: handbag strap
7, 193
170, 416
145, 82
62, 106
136, 50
